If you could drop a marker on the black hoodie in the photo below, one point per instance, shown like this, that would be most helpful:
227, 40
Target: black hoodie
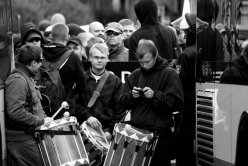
72, 71
154, 113
162, 36
237, 72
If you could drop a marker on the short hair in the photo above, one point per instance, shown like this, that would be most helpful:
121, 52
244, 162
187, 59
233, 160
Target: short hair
144, 47
100, 47
60, 31
28, 53
125, 22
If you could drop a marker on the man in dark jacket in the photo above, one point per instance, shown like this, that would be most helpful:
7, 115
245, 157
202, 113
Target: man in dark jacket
209, 41
71, 72
153, 92
24, 112
187, 60
237, 72
163, 37
106, 110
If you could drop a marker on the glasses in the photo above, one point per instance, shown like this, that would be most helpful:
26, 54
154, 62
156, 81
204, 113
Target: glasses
36, 39
99, 58
110, 33
39, 60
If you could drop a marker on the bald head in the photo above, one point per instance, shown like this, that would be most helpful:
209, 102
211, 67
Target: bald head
58, 18
96, 28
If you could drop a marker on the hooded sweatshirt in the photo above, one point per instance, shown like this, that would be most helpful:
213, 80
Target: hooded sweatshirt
237, 72
154, 113
162, 36
72, 71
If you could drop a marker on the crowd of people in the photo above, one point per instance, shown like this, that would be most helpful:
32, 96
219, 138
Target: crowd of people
163, 84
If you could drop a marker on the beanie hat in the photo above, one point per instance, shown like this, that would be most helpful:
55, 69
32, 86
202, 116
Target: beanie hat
74, 29
26, 29
75, 40
43, 25
29, 53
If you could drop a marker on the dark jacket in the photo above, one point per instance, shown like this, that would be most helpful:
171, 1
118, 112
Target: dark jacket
155, 113
187, 61
72, 72
106, 108
237, 72
162, 36
23, 107
119, 55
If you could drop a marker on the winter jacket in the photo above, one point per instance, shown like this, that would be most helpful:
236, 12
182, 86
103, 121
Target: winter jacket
162, 36
23, 107
154, 113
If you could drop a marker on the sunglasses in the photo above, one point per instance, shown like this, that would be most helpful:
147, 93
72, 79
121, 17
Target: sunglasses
110, 33
39, 60
36, 39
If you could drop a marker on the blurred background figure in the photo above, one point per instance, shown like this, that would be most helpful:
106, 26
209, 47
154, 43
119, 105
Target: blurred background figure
43, 24
115, 41
76, 45
58, 18
229, 53
93, 40
97, 29
74, 29
128, 29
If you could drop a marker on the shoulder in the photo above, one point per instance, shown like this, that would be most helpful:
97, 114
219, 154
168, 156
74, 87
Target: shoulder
15, 80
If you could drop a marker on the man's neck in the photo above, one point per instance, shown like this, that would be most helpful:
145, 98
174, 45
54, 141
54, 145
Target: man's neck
60, 42
97, 72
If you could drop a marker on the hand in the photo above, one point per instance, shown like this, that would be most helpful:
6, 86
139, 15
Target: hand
108, 135
136, 92
47, 120
93, 122
148, 92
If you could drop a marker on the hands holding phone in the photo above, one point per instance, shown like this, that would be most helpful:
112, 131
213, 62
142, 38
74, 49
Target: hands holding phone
146, 92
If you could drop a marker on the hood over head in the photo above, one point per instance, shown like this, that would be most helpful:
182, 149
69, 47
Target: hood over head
146, 12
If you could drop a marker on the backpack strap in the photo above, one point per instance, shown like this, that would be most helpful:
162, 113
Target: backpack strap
96, 93
63, 59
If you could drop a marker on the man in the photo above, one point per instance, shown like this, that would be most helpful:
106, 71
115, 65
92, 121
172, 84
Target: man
71, 72
186, 131
153, 92
106, 111
163, 37
209, 41
97, 29
31, 35
24, 112
115, 41
128, 29
77, 46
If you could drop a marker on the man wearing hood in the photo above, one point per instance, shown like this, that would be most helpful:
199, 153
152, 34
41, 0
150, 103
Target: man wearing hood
71, 72
163, 37
237, 72
153, 92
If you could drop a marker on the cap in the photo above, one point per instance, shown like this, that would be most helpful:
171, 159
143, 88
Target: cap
188, 21
220, 27
74, 29
114, 26
76, 40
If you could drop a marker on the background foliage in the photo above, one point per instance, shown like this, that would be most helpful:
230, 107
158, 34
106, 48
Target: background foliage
74, 11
